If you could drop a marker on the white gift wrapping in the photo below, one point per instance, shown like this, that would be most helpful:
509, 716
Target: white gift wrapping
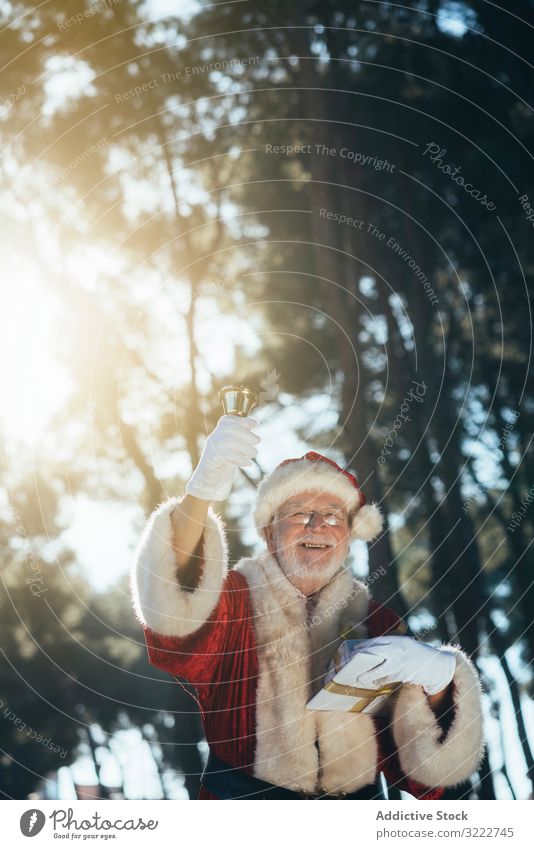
341, 690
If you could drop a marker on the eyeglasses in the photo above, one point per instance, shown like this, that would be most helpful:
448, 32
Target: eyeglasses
302, 517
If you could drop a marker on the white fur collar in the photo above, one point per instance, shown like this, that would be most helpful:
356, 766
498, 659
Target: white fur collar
296, 747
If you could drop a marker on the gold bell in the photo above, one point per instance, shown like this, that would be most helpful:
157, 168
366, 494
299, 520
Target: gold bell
238, 400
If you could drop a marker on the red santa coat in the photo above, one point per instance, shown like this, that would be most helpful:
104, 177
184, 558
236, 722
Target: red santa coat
255, 653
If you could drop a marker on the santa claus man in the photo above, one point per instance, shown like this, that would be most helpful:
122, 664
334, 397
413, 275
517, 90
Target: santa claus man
255, 641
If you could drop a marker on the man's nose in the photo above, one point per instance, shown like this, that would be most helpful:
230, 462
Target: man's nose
316, 520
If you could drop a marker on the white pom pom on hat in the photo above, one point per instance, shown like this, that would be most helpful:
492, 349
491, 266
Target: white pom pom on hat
315, 472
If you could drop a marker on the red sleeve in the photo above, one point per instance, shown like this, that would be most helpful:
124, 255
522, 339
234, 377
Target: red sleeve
200, 656
382, 620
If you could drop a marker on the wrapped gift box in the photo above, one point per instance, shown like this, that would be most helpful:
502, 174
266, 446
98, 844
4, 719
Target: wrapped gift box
341, 690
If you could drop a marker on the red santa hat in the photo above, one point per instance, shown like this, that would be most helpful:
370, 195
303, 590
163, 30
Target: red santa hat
315, 472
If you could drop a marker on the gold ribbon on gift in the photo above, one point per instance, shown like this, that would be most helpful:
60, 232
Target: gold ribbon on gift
367, 696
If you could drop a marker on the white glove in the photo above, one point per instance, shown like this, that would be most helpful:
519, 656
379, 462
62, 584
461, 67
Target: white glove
231, 444
409, 661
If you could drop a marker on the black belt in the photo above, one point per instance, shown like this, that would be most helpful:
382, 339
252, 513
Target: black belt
227, 782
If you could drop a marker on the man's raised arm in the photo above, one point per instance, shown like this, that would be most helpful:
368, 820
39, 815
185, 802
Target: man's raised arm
188, 520
181, 560
230, 445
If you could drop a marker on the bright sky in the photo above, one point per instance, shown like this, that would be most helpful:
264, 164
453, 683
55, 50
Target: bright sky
32, 385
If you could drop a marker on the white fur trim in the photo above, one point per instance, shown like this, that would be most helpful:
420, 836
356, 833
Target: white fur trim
349, 750
302, 475
367, 523
159, 600
314, 475
416, 731
293, 656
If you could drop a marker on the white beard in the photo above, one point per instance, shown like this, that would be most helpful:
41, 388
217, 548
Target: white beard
312, 569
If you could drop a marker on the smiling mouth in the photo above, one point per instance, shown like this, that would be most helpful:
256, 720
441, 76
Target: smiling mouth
314, 545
